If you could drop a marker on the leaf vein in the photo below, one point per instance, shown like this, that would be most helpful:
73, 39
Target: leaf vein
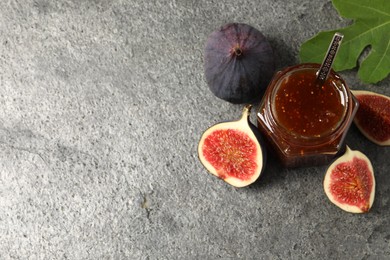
370, 8
380, 61
370, 30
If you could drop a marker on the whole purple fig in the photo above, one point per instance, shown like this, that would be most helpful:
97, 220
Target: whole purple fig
238, 62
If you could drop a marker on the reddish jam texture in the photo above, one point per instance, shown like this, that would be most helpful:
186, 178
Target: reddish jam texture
305, 108
373, 116
351, 183
232, 153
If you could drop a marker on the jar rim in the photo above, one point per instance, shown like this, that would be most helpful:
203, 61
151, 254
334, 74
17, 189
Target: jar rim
326, 136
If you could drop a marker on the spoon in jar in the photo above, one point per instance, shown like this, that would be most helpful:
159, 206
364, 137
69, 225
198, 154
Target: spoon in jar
323, 72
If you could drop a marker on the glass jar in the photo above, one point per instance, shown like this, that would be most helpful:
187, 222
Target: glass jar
305, 121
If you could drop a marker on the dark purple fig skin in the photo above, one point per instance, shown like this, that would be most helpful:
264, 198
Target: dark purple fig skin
238, 63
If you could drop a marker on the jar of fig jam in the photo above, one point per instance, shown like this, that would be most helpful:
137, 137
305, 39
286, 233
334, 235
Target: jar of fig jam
305, 121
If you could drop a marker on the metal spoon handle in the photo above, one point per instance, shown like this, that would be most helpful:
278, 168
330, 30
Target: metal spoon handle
326, 65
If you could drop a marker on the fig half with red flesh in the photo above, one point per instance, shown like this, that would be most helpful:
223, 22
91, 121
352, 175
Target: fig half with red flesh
349, 182
238, 63
232, 151
373, 116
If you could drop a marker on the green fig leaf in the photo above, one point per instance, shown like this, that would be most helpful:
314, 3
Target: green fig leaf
370, 29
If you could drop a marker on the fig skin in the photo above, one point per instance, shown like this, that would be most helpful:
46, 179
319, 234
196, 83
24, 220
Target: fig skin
351, 175
238, 63
234, 158
373, 116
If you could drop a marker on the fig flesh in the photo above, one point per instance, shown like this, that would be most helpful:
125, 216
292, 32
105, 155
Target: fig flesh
350, 183
238, 63
373, 116
233, 151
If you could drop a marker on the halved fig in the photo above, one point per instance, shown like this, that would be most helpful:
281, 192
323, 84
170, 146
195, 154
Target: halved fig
349, 182
373, 116
232, 151
238, 63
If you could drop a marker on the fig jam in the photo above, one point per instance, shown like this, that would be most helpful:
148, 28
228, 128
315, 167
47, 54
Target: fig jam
306, 108
305, 121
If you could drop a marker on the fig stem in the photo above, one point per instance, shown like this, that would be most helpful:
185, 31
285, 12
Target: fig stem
246, 111
326, 65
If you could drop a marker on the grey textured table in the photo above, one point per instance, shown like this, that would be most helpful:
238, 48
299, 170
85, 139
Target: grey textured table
102, 106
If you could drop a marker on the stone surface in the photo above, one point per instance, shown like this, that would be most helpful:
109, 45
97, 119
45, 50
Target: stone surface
102, 105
